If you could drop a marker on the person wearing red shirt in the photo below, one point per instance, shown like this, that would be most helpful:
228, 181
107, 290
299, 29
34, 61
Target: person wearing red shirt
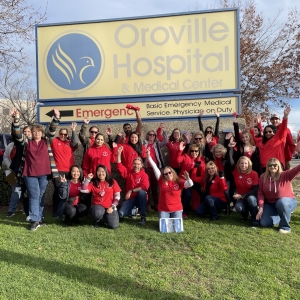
133, 149
188, 162
209, 129
273, 143
214, 187
137, 183
173, 146
63, 153
170, 187
69, 192
155, 146
106, 196
98, 153
246, 184
290, 146
276, 199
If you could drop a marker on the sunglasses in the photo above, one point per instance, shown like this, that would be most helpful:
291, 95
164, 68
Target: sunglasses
208, 131
194, 151
267, 131
197, 138
93, 131
272, 165
64, 134
168, 173
152, 134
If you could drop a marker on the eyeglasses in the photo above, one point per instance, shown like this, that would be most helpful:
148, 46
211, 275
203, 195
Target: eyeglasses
269, 131
94, 132
168, 173
272, 165
152, 134
64, 134
208, 131
197, 138
194, 151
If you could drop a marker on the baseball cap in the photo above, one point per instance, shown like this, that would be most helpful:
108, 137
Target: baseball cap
275, 116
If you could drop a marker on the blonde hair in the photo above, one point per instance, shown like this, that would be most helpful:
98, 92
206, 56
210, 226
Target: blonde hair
208, 165
202, 135
175, 176
219, 147
37, 127
267, 174
249, 164
250, 137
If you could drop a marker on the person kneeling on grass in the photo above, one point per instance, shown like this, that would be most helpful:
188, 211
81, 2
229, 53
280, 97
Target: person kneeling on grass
137, 183
70, 205
276, 199
106, 196
170, 187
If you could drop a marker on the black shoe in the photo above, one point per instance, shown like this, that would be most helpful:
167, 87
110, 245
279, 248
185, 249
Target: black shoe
97, 225
34, 226
142, 221
10, 214
214, 218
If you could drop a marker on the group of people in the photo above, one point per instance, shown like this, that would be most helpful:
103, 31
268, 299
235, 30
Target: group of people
249, 169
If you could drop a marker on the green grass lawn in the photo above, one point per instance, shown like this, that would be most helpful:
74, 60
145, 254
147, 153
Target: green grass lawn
225, 259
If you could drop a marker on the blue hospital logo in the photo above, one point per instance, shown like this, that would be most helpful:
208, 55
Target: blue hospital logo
74, 61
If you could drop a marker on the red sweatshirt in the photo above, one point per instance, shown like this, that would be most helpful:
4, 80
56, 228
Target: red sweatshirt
129, 155
275, 146
290, 146
271, 191
95, 156
63, 154
218, 188
198, 174
244, 182
133, 180
187, 162
173, 148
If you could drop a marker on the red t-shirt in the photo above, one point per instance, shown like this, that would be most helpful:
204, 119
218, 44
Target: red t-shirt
75, 189
104, 194
63, 154
129, 155
170, 195
244, 182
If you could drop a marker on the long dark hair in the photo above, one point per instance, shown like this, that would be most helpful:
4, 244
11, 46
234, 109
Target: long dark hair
138, 146
80, 172
264, 139
108, 178
259, 131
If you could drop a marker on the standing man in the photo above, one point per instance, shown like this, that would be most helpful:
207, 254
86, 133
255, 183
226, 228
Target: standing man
290, 146
137, 183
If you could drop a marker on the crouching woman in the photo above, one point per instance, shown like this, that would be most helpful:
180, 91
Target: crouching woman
276, 199
105, 197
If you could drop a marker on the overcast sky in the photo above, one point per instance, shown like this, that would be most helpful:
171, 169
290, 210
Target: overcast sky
78, 10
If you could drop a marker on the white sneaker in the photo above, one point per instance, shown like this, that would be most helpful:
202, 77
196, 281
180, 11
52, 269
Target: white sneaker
28, 219
281, 230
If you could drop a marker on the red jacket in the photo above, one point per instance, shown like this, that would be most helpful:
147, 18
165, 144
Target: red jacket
275, 146
290, 146
187, 162
95, 156
218, 188
134, 180
198, 174
129, 155
271, 191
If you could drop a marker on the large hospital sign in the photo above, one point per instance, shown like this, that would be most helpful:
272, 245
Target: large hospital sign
164, 55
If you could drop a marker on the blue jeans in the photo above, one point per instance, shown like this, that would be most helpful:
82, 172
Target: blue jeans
139, 201
36, 188
278, 213
213, 204
244, 206
14, 198
173, 214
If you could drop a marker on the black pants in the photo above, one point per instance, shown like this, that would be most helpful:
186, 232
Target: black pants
98, 212
71, 211
55, 197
